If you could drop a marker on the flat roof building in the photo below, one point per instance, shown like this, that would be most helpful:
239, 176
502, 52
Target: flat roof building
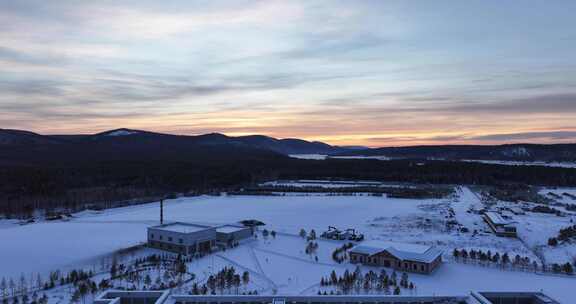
183, 238
400, 256
228, 234
190, 239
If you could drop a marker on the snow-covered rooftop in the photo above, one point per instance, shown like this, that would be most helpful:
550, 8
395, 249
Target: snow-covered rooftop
403, 251
229, 228
496, 218
182, 227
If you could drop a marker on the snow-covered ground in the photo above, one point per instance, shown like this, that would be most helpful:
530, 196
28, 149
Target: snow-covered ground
280, 264
561, 195
484, 161
524, 163
309, 156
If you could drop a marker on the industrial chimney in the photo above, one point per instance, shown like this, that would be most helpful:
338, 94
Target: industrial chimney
161, 211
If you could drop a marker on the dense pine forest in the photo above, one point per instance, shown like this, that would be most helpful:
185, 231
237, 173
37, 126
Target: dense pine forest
76, 185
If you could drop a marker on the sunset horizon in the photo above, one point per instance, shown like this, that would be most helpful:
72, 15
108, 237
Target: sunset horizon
364, 73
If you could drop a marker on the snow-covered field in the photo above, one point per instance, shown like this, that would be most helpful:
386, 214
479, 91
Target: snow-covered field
280, 264
484, 161
523, 163
561, 195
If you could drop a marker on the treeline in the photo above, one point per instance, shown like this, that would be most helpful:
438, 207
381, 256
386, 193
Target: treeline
422, 192
76, 185
504, 261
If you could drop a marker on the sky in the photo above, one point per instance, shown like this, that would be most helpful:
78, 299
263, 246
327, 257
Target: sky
373, 73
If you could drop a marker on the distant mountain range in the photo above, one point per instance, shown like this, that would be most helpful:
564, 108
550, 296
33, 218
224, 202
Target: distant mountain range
128, 144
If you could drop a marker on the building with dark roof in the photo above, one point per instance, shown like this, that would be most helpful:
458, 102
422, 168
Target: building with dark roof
399, 256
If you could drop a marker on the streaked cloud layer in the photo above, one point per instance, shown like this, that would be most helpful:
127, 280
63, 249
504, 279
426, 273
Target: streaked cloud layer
374, 73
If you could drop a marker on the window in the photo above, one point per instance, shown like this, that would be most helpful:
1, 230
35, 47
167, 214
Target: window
152, 235
180, 241
169, 239
160, 237
421, 267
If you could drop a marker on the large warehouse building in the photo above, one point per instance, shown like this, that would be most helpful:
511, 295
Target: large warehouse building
404, 257
189, 239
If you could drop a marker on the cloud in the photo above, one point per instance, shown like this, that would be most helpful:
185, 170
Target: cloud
549, 103
551, 135
12, 55
27, 87
358, 72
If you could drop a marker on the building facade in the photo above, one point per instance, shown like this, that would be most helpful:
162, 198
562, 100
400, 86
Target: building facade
402, 257
228, 234
164, 297
183, 238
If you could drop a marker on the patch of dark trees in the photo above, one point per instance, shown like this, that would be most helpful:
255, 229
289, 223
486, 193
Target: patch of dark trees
516, 192
564, 235
413, 192
75, 182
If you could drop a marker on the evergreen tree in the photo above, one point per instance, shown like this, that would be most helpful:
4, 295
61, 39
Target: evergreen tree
312, 235
3, 288
39, 282
552, 242
148, 280
505, 258
567, 268
113, 269
22, 285
404, 280
245, 277
456, 253
12, 287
